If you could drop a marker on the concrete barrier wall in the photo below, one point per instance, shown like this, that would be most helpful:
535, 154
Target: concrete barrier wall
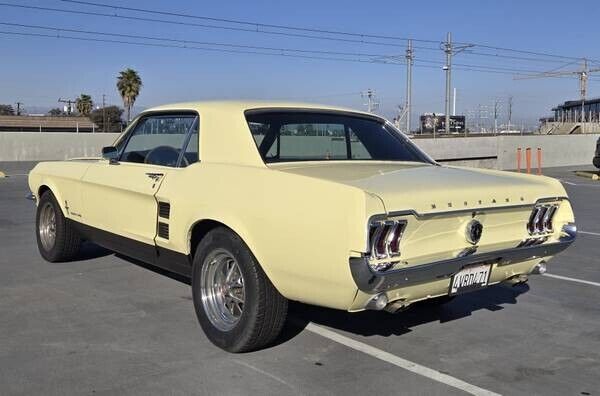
557, 150
488, 152
459, 148
30, 146
500, 152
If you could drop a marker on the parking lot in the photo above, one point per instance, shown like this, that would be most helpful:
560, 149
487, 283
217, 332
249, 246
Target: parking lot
105, 325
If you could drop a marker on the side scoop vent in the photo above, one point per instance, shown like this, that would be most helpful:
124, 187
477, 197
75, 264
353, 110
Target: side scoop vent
163, 230
164, 210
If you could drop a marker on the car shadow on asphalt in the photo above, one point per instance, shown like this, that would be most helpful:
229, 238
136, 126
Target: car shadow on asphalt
158, 270
90, 251
381, 323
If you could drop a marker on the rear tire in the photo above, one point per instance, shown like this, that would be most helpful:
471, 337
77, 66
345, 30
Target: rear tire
237, 306
57, 240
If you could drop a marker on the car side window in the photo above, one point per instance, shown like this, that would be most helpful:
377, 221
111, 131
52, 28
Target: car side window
158, 140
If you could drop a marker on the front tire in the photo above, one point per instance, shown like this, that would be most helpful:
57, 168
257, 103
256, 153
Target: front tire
237, 306
57, 240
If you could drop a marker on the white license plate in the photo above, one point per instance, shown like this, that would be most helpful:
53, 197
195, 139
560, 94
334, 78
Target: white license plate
470, 278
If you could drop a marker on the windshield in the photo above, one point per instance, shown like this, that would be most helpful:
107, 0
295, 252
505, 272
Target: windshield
284, 135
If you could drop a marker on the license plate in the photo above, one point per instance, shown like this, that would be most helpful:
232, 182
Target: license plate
470, 278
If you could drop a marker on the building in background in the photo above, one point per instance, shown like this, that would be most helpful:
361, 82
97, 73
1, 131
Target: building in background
570, 111
46, 124
567, 118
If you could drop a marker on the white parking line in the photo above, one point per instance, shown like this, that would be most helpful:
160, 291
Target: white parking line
398, 361
589, 233
585, 282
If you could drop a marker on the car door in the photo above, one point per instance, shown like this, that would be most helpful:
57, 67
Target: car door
119, 195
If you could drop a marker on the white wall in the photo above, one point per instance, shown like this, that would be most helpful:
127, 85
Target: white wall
490, 152
32, 146
557, 150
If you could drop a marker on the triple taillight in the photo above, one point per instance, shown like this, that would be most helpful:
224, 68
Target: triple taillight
384, 239
540, 220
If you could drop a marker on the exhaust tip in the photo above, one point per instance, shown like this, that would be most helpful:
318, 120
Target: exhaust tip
377, 302
539, 269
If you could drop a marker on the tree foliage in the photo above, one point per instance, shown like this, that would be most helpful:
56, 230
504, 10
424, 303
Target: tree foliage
129, 85
84, 104
108, 120
56, 112
6, 110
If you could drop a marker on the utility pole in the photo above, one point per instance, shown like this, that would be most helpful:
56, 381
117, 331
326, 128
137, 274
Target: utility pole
19, 104
371, 103
510, 102
496, 106
450, 50
69, 103
583, 78
448, 68
103, 113
409, 63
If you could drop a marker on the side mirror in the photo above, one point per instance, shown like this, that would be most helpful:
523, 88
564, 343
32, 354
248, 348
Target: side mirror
110, 153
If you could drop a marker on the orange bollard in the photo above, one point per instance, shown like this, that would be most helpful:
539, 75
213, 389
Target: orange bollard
539, 161
519, 159
528, 159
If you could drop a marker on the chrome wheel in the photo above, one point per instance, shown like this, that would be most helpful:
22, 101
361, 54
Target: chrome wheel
222, 289
47, 226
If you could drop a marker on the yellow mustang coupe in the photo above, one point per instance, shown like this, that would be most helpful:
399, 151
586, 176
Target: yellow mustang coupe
261, 203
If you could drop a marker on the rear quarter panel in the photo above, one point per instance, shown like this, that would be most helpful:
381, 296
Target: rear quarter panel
302, 230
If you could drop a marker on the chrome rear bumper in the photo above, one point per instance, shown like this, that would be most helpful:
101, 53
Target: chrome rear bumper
372, 282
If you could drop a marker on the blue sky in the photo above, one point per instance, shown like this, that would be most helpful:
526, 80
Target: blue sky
37, 71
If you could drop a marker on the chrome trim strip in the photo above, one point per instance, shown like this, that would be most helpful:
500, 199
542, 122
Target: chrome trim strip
470, 210
372, 282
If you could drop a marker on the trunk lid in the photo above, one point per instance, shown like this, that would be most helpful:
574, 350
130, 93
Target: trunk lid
430, 188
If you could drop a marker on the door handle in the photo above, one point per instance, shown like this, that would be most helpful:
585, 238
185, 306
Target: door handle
155, 176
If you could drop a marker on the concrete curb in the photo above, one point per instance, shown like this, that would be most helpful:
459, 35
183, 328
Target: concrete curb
589, 174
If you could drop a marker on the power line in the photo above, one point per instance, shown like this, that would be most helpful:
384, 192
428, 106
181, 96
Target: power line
92, 39
154, 38
257, 29
305, 29
276, 51
134, 18
167, 39
247, 23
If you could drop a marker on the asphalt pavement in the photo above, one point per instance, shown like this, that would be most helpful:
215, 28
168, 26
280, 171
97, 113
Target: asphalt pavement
105, 325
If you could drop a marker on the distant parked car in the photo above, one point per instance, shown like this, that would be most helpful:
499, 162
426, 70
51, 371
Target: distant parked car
261, 203
596, 160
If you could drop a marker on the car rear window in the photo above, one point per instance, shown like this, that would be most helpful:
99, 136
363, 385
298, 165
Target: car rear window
283, 136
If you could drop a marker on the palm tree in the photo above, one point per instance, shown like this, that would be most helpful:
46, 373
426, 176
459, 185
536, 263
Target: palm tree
129, 85
84, 104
